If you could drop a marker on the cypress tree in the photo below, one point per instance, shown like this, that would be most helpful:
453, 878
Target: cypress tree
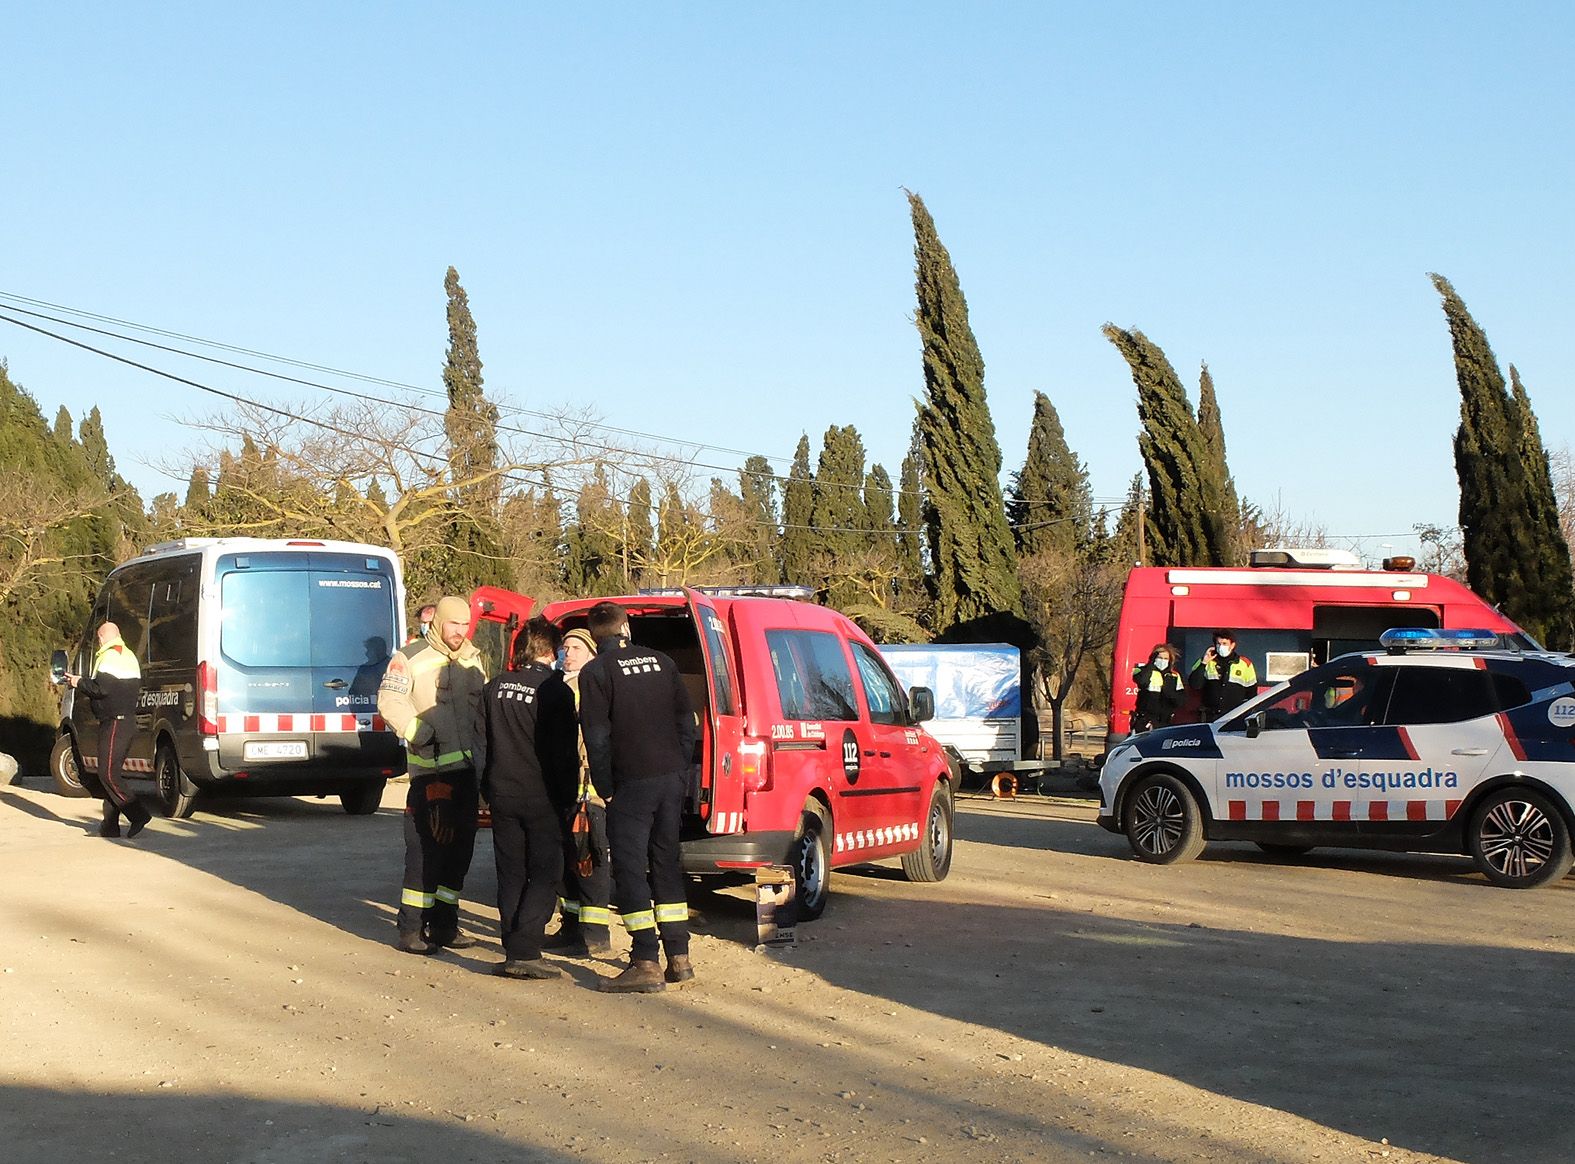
471, 424
196, 503
836, 509
879, 499
1516, 554
970, 542
639, 531
1218, 483
1186, 526
757, 486
912, 587
798, 495
1050, 506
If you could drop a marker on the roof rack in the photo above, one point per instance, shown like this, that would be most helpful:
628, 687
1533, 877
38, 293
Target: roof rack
801, 593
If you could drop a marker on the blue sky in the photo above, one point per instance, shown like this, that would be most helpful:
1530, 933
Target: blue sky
690, 219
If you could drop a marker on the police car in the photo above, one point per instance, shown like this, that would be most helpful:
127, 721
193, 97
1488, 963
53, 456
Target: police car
1443, 742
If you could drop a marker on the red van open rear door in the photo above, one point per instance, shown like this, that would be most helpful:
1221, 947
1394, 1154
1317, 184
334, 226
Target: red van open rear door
722, 759
496, 618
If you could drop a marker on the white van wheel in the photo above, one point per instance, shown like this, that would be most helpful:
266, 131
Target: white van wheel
177, 794
63, 768
364, 799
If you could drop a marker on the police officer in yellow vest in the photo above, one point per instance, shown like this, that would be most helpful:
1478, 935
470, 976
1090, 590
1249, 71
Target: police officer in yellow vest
429, 695
113, 686
1223, 678
1160, 692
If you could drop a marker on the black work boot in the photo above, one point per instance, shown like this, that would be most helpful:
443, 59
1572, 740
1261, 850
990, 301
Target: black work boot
640, 978
533, 968
411, 942
679, 969
449, 939
138, 816
569, 941
110, 825
598, 942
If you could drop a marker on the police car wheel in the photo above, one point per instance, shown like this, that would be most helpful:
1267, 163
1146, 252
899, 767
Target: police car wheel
63, 769
1519, 839
811, 861
1162, 821
932, 860
177, 794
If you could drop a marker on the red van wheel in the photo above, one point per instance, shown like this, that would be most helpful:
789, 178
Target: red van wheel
810, 858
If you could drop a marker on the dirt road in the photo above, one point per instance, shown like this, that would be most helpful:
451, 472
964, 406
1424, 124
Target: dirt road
224, 988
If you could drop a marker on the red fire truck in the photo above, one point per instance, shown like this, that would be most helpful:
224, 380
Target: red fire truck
1290, 609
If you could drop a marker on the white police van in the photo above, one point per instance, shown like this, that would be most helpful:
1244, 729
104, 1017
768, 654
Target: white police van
260, 663
1440, 743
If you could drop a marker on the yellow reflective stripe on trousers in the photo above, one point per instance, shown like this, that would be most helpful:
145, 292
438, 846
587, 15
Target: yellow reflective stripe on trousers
416, 898
644, 919
571, 908
595, 915
446, 758
671, 912
447, 896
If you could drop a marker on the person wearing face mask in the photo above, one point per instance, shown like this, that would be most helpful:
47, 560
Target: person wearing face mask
1160, 691
1223, 678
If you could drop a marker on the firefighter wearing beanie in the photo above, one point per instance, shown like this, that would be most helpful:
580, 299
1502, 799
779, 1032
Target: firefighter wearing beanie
429, 696
640, 736
587, 896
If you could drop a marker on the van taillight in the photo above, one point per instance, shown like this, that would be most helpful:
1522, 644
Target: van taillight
754, 767
207, 699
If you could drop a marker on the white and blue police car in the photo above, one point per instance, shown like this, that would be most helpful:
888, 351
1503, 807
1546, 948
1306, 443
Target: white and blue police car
1442, 742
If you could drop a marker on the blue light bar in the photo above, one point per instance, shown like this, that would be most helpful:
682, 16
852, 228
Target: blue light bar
1427, 638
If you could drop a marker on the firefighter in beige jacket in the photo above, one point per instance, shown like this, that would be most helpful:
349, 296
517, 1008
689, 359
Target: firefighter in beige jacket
429, 696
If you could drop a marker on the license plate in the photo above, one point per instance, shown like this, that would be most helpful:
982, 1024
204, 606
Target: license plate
274, 750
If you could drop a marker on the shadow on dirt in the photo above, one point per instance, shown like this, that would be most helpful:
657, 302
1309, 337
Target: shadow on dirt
46, 1126
1444, 1048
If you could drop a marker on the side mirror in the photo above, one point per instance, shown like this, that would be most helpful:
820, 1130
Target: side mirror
921, 704
57, 668
1254, 723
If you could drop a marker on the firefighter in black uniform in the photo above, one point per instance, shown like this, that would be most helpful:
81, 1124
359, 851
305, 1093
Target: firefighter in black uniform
429, 695
528, 756
113, 687
639, 732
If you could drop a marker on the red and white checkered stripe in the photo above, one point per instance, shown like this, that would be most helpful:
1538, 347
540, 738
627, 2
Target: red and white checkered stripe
1340, 810
876, 838
727, 822
127, 765
308, 722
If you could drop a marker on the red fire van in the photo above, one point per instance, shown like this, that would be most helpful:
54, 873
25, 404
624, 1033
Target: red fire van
1291, 609
810, 752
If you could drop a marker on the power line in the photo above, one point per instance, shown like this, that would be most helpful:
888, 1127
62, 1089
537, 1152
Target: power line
383, 382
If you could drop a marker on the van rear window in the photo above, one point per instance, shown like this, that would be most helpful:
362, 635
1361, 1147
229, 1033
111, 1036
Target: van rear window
307, 618
813, 678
